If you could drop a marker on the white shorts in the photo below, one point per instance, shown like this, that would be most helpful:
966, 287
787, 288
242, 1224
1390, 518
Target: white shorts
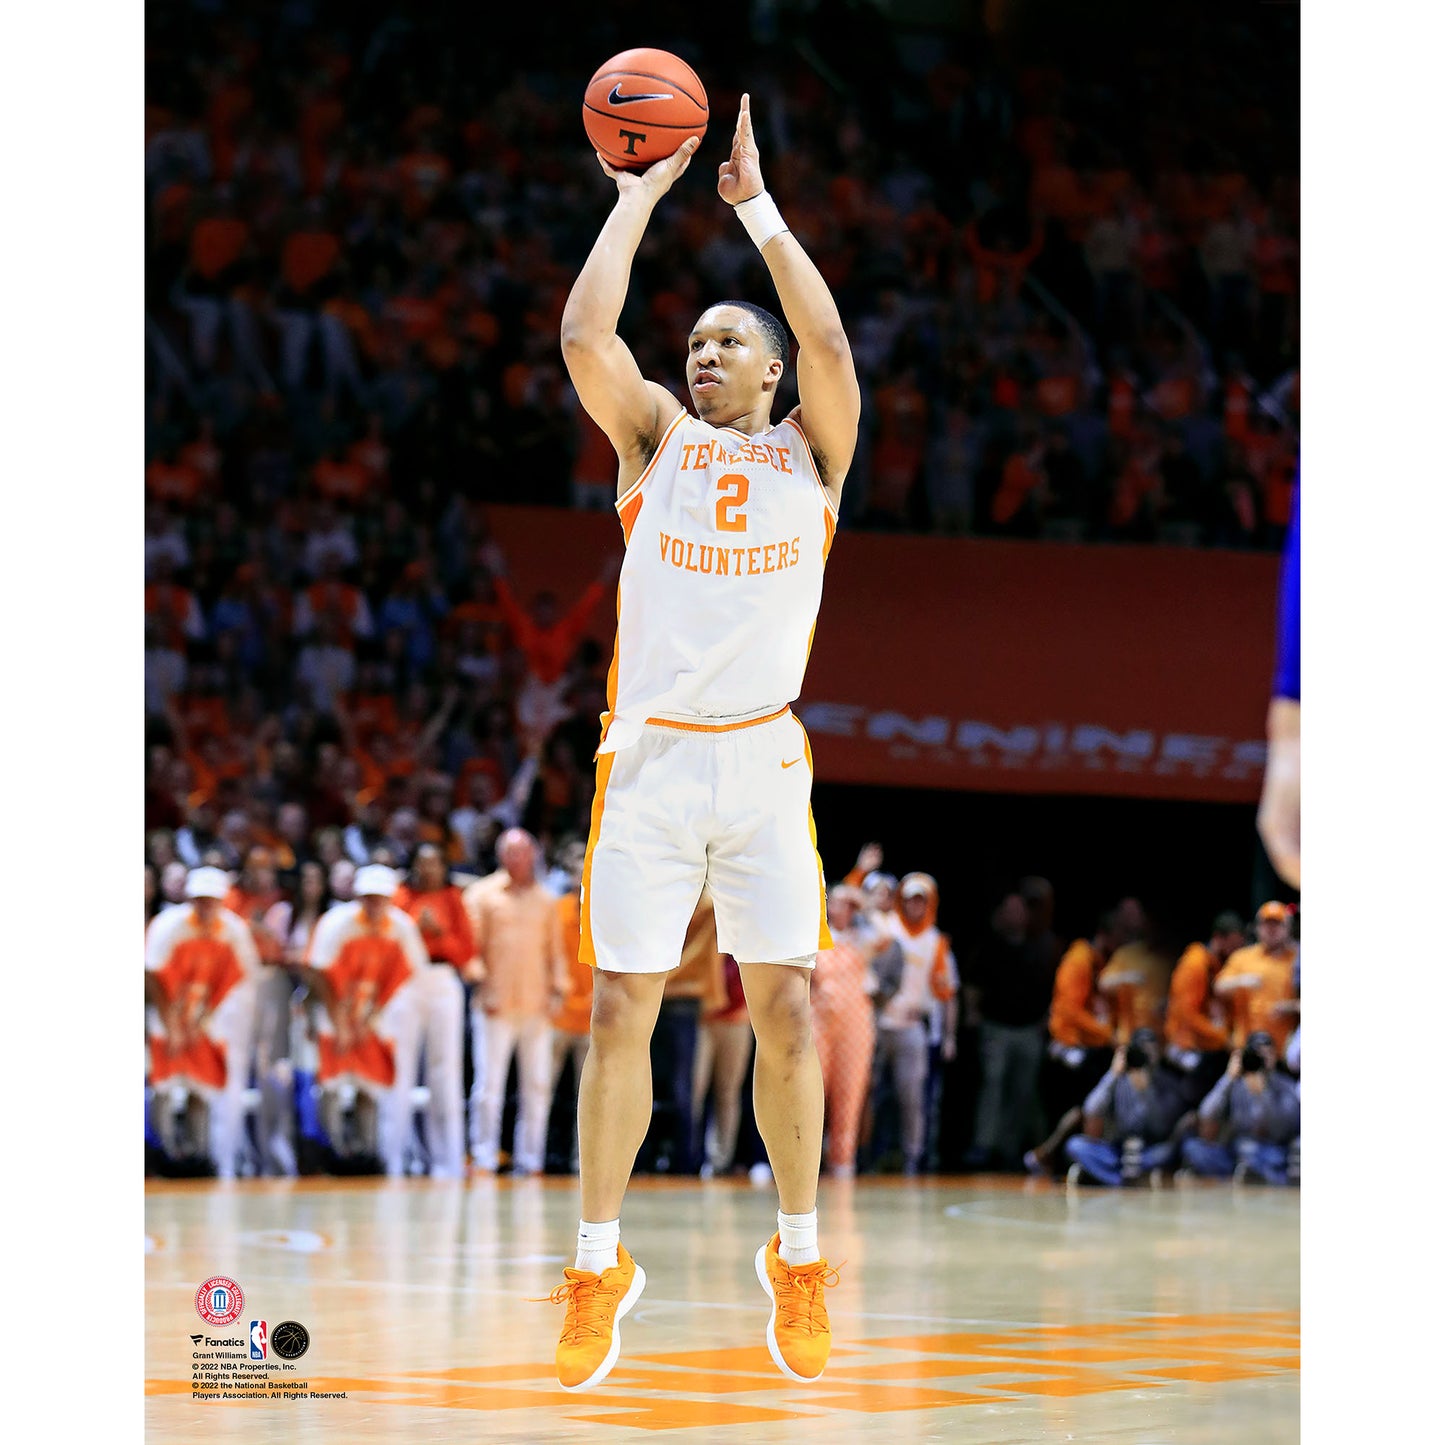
683, 807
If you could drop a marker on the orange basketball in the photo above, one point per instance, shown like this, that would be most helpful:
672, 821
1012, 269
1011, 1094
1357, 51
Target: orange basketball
641, 106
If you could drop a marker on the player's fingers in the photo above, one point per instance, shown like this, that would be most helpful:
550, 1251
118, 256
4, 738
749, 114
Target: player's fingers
745, 119
608, 169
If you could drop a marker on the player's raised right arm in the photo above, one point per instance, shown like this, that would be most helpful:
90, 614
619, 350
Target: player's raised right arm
631, 411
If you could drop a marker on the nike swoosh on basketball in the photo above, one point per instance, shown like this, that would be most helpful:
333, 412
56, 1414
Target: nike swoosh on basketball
616, 96
795, 760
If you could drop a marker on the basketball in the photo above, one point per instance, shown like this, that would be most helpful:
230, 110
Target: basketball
641, 105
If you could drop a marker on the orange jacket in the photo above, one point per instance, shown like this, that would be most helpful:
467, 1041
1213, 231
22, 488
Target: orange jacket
447, 930
1194, 1019
1074, 1014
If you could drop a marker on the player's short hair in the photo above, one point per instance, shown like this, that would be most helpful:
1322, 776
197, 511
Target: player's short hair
774, 332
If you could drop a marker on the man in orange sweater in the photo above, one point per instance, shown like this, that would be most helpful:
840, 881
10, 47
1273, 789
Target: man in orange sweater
1196, 1023
435, 906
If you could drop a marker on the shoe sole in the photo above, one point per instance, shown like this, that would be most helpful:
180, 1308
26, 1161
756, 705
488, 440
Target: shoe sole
634, 1292
761, 1263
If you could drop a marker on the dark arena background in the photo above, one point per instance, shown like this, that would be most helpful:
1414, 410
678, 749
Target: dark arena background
380, 553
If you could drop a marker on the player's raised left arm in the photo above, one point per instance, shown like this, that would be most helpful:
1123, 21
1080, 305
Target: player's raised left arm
827, 383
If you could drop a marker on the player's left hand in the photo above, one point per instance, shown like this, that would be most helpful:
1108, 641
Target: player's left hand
740, 177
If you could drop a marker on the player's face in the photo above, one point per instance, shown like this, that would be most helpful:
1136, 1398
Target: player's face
729, 367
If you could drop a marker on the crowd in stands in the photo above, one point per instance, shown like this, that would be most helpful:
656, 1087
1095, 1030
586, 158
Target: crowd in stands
1072, 290
305, 1018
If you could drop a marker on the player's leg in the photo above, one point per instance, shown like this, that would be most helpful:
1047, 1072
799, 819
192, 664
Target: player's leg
766, 881
646, 862
787, 1079
614, 1104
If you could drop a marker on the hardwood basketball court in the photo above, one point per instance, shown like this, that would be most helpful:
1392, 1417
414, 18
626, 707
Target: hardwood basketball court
980, 1309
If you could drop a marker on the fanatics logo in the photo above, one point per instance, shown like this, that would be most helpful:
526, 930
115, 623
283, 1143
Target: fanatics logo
219, 1301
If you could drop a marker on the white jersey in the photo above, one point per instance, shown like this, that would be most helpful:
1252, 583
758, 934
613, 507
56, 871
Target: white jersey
727, 536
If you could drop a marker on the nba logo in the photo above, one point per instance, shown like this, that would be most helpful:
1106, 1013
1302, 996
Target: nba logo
258, 1339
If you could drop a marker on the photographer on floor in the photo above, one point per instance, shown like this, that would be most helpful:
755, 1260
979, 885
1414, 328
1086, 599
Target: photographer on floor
1249, 1125
1130, 1120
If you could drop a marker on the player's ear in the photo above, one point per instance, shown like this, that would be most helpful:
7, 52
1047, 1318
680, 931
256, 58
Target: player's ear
774, 373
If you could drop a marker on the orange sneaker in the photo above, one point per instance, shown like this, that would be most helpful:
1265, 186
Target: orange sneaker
798, 1335
595, 1303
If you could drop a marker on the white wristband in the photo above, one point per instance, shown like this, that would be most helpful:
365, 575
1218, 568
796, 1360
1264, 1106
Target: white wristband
761, 218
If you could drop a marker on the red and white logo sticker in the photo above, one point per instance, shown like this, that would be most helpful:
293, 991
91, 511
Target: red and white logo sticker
219, 1301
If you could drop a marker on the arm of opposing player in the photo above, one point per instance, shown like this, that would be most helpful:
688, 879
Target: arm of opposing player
631, 411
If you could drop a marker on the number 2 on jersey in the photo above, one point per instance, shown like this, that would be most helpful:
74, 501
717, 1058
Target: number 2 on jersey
730, 514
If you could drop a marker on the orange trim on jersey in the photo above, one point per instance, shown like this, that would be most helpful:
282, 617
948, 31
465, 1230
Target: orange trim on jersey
813, 467
656, 457
586, 950
830, 529
752, 722
606, 719
825, 934
628, 515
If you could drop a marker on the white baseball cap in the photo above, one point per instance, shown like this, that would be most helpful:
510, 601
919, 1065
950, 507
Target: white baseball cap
207, 883
375, 878
915, 888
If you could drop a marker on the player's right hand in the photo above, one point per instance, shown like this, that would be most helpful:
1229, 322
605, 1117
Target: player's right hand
658, 178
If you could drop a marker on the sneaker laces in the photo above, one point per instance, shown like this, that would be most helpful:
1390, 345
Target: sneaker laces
588, 1303
800, 1297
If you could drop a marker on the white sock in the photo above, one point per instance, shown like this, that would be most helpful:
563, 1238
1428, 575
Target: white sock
799, 1238
597, 1245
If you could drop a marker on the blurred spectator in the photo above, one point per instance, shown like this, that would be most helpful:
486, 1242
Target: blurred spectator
1257, 981
1007, 989
1249, 1125
929, 972
843, 990
572, 1025
522, 977
435, 905
1136, 978
724, 1049
201, 973
1196, 1024
365, 958
1130, 1119
1081, 1029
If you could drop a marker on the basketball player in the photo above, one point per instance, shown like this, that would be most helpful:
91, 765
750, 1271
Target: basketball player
704, 774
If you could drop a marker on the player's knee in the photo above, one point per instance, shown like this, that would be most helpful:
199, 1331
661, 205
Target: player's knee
624, 1008
782, 1019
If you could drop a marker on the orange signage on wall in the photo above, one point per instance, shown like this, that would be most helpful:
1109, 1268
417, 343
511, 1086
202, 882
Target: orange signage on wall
1006, 666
